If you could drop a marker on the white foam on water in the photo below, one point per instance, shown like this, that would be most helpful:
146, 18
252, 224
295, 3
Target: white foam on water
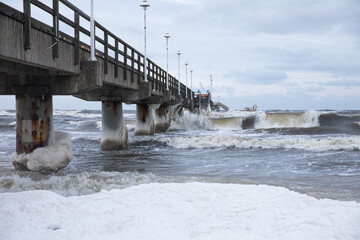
130, 116
288, 120
53, 157
86, 137
230, 141
6, 113
75, 184
12, 124
235, 113
76, 113
191, 122
178, 211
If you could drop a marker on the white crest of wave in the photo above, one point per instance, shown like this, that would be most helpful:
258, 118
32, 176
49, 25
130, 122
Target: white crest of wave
6, 113
178, 211
53, 157
191, 122
288, 120
76, 113
311, 144
75, 184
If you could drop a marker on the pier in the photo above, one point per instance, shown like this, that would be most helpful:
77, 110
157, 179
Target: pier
38, 61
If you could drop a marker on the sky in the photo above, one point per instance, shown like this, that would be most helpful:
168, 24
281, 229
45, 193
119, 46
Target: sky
278, 54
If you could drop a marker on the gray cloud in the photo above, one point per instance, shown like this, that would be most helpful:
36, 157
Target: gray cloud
282, 17
261, 76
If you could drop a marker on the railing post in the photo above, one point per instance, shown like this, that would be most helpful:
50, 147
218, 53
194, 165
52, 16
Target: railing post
116, 58
56, 29
152, 74
125, 61
139, 68
132, 65
106, 49
77, 37
27, 24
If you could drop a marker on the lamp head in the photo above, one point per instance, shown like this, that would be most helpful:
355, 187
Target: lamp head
178, 53
145, 5
167, 35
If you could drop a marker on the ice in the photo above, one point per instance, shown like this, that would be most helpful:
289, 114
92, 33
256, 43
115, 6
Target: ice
178, 211
53, 157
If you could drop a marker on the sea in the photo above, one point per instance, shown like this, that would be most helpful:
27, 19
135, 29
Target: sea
313, 153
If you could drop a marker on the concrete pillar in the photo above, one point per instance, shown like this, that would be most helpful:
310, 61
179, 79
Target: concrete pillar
34, 122
162, 119
144, 120
114, 132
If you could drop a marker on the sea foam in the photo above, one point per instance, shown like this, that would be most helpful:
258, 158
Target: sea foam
228, 141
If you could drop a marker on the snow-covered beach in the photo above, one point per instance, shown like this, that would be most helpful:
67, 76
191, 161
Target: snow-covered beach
178, 211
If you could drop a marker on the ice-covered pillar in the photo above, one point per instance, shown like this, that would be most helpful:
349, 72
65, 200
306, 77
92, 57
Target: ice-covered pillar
181, 111
114, 132
144, 120
162, 119
34, 122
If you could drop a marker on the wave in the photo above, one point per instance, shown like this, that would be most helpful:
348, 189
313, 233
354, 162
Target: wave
77, 113
73, 184
7, 113
311, 144
285, 122
288, 120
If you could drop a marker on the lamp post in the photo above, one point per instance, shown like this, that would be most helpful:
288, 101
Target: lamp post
145, 5
211, 80
178, 53
92, 33
167, 36
186, 64
191, 71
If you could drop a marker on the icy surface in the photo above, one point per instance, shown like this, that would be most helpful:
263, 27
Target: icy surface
178, 211
53, 157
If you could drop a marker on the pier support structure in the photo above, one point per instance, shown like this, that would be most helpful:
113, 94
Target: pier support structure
114, 132
162, 119
144, 120
34, 125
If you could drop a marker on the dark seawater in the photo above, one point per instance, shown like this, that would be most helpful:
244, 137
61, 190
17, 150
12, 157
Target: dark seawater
312, 152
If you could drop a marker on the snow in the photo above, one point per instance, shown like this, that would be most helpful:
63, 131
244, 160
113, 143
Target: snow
178, 211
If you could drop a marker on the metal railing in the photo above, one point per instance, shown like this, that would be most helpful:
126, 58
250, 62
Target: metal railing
132, 60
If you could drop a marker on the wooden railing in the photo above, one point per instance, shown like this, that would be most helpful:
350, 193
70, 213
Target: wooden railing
132, 60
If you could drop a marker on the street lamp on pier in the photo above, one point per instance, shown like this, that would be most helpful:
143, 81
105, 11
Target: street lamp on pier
167, 36
186, 64
92, 33
191, 71
178, 53
145, 5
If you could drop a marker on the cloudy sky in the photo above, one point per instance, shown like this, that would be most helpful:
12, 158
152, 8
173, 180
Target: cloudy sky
278, 54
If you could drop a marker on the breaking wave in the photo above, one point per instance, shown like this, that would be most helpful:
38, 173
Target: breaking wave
85, 183
288, 120
310, 144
